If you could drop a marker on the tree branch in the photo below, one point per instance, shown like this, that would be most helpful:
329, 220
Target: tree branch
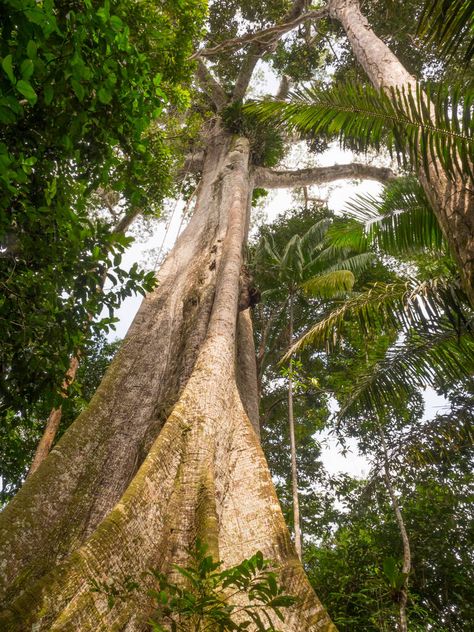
214, 90
265, 36
271, 179
283, 89
246, 71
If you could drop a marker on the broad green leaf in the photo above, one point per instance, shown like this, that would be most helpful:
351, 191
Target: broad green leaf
78, 89
7, 66
31, 49
104, 96
48, 94
26, 89
27, 67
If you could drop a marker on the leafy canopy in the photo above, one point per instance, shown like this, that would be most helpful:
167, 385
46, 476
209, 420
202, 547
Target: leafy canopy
81, 112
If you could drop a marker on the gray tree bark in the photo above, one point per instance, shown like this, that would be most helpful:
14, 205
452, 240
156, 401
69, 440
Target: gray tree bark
452, 198
165, 452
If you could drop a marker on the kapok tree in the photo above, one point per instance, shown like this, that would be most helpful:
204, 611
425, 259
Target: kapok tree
168, 449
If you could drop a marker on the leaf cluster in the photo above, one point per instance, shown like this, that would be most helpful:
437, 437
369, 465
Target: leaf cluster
81, 90
418, 126
266, 143
246, 596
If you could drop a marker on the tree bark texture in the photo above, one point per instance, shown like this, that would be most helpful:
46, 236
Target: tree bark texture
166, 451
452, 199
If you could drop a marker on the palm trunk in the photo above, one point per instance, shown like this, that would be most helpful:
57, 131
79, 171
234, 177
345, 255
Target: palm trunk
291, 422
406, 564
451, 199
165, 451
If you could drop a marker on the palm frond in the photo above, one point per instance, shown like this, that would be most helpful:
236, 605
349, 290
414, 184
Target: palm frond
418, 127
346, 237
268, 251
450, 25
314, 236
400, 220
422, 359
355, 264
390, 305
330, 284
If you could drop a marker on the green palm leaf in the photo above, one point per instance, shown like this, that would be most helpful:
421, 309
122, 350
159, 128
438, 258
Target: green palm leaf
399, 221
365, 118
450, 25
390, 305
330, 284
420, 360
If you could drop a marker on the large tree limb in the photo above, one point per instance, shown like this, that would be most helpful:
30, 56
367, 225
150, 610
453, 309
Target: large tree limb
271, 179
246, 71
267, 41
261, 37
213, 89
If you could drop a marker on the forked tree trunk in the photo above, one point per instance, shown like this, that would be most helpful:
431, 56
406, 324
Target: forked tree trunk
166, 451
452, 199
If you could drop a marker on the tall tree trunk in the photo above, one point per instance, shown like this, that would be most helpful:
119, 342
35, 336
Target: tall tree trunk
291, 423
406, 564
165, 451
452, 199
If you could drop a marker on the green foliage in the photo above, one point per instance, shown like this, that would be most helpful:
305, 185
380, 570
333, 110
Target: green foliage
355, 568
203, 600
289, 252
399, 221
437, 342
76, 120
402, 120
266, 143
450, 25
20, 431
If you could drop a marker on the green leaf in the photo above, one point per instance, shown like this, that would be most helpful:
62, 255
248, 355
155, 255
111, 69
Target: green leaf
104, 96
27, 68
31, 49
26, 89
48, 94
116, 23
78, 89
7, 66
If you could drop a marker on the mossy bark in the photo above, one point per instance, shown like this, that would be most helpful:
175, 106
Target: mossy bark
166, 451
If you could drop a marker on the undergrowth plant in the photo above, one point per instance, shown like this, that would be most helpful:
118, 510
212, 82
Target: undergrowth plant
246, 597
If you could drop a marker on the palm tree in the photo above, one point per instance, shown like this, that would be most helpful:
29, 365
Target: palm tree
427, 308
305, 266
